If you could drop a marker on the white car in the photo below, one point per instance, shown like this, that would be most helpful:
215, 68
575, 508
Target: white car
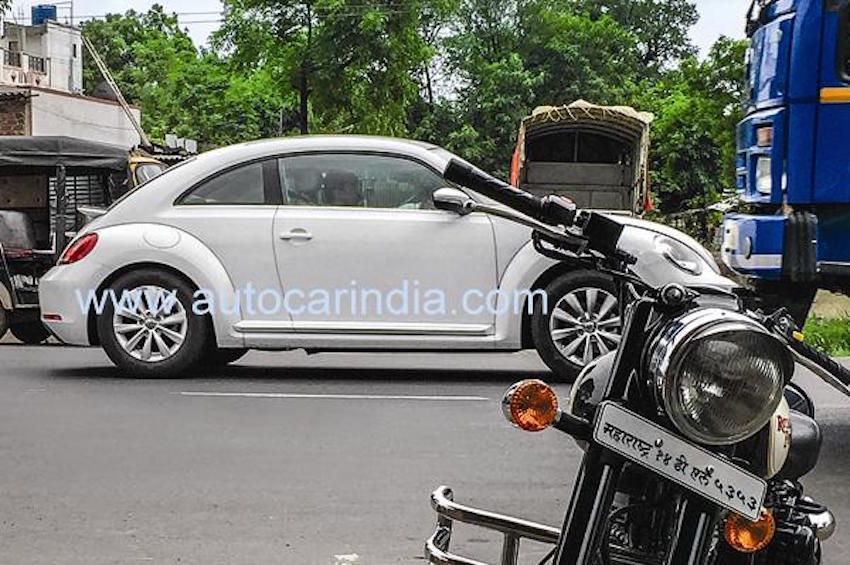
331, 243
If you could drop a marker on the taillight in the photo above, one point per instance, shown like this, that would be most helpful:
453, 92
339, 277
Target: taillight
79, 250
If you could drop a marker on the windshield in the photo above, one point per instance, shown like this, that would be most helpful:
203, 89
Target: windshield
147, 171
162, 172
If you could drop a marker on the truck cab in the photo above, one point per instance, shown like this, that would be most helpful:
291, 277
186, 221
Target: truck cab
793, 158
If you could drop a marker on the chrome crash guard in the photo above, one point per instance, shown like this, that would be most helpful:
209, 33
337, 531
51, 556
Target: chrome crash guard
513, 529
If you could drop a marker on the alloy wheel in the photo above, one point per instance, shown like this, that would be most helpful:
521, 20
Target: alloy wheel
585, 324
150, 323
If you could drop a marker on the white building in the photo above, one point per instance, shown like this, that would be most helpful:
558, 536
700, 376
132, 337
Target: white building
41, 84
47, 55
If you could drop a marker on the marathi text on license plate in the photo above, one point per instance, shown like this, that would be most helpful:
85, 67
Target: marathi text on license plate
692, 467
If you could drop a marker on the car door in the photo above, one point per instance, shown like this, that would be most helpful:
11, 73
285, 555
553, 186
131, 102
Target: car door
232, 214
361, 250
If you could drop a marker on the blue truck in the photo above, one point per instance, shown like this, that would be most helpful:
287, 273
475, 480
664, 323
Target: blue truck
791, 235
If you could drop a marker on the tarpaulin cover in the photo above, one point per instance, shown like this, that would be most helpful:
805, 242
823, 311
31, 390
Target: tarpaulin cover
52, 151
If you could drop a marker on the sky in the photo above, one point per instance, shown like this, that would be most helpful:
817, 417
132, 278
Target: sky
717, 17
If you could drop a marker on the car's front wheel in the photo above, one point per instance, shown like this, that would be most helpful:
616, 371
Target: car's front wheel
578, 322
148, 326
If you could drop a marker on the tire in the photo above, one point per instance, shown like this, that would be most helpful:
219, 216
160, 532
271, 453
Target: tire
223, 357
30, 333
155, 333
582, 322
796, 297
4, 322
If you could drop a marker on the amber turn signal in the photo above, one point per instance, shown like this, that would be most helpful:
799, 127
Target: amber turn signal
530, 405
749, 537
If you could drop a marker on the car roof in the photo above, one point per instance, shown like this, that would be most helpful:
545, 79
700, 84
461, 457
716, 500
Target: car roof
161, 191
308, 143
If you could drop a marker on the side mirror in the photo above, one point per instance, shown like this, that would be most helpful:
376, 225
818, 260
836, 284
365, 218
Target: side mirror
453, 200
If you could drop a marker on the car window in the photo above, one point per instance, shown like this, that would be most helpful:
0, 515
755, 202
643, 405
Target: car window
242, 185
365, 181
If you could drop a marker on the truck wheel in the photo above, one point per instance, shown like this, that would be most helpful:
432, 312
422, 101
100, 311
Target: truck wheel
4, 322
796, 297
31, 333
580, 322
222, 357
153, 332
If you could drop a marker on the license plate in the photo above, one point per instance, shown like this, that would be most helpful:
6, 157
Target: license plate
692, 467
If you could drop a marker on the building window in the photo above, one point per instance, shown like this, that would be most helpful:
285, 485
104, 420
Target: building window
12, 58
37, 64
75, 50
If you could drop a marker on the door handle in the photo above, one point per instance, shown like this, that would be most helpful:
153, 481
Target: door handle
297, 234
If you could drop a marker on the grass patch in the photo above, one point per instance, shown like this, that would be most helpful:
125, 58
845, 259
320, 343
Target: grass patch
830, 334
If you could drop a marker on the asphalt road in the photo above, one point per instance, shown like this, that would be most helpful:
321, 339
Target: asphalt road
259, 465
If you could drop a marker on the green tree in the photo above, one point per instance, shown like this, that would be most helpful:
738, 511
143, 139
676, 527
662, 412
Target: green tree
578, 57
697, 107
661, 26
506, 57
140, 49
179, 89
351, 63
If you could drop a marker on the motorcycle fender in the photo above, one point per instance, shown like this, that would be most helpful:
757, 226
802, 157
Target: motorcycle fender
778, 439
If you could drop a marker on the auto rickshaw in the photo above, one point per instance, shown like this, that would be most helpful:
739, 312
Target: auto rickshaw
46, 186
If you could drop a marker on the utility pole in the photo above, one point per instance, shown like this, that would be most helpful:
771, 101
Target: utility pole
104, 70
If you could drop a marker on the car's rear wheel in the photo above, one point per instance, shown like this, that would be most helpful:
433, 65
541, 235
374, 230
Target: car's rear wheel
150, 329
579, 322
30, 333
221, 357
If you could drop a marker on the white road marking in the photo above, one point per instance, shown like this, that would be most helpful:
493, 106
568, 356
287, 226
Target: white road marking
336, 396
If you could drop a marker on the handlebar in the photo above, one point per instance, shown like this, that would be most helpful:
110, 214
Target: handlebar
601, 232
822, 365
807, 355
551, 210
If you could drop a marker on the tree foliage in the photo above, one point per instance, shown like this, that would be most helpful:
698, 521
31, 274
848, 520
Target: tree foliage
697, 107
660, 26
181, 90
459, 73
350, 63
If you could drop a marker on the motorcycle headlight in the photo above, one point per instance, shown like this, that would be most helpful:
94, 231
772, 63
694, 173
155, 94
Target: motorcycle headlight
719, 374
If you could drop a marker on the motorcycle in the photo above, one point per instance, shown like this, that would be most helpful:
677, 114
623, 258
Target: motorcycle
694, 437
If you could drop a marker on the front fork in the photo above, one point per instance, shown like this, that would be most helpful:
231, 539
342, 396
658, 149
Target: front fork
586, 524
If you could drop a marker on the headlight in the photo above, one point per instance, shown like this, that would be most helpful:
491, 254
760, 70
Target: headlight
764, 175
719, 375
679, 254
